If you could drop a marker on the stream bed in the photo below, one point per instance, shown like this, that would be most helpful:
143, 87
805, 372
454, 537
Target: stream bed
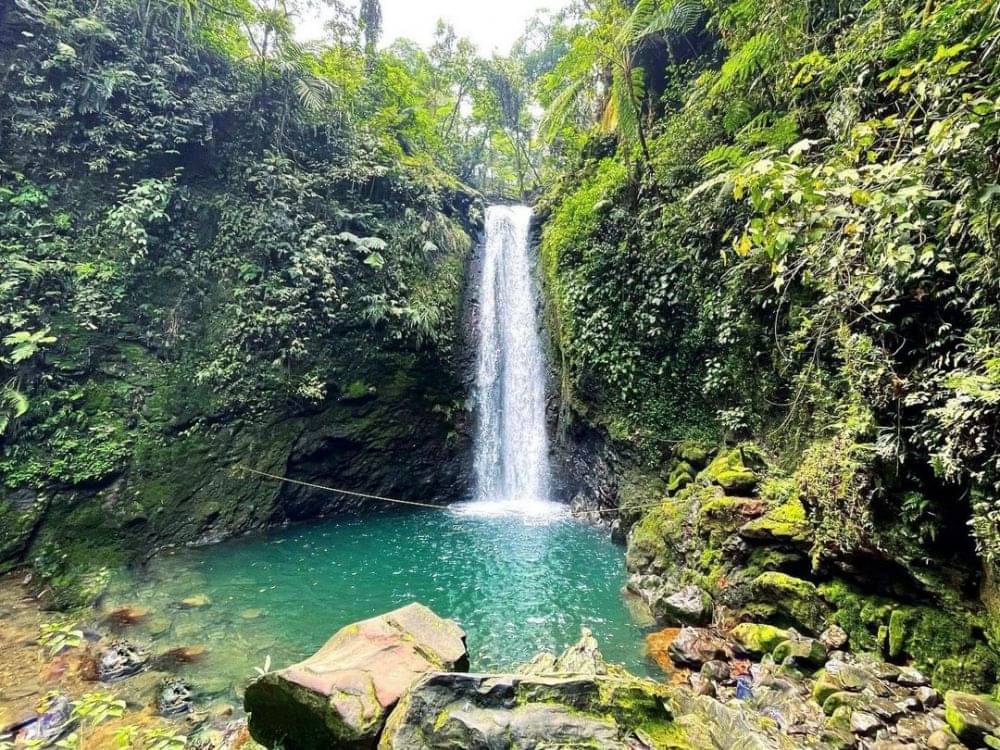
516, 583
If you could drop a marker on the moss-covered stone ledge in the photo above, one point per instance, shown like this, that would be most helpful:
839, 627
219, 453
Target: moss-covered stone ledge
744, 533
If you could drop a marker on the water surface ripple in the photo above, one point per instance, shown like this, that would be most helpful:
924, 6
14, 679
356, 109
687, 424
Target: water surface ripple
517, 584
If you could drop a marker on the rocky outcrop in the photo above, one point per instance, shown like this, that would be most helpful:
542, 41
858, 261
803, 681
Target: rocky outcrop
741, 533
340, 697
757, 687
574, 700
475, 711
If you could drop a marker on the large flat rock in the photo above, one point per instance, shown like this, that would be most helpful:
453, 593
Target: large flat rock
528, 712
340, 696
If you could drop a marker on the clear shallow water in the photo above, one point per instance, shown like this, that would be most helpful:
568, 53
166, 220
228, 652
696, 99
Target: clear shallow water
518, 584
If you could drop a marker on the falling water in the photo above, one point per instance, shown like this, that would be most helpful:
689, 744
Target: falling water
511, 448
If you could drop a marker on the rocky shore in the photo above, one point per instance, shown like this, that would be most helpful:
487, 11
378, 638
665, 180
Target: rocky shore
388, 683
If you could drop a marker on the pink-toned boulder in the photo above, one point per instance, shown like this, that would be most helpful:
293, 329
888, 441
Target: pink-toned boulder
340, 696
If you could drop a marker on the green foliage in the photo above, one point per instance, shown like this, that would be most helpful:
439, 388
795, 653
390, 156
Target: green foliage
823, 214
136, 738
58, 636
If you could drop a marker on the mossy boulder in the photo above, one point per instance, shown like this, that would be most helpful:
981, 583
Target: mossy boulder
839, 677
973, 718
806, 652
795, 600
693, 453
735, 471
785, 525
758, 639
719, 515
656, 542
680, 477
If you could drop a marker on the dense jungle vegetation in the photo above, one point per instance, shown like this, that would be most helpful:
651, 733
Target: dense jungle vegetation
774, 221
222, 245
785, 227
778, 222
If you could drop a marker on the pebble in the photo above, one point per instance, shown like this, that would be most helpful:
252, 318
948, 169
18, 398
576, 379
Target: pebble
928, 696
911, 677
864, 723
198, 601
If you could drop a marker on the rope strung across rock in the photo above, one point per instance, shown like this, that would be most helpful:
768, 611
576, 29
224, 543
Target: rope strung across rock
366, 496
342, 492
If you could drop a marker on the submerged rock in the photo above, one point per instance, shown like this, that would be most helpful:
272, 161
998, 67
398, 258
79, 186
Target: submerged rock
340, 697
52, 724
119, 660
173, 697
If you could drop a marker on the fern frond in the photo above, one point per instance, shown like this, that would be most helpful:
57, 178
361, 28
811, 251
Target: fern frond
313, 92
559, 110
676, 17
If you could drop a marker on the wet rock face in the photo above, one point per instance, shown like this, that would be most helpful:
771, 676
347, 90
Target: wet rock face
340, 697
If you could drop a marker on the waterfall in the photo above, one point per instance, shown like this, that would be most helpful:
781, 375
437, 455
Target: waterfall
511, 446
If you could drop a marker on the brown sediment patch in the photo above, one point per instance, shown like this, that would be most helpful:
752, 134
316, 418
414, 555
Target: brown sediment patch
127, 616
175, 657
657, 648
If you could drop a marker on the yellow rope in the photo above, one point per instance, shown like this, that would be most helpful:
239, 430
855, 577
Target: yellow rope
411, 502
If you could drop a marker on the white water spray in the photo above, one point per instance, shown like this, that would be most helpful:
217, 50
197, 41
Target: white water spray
511, 447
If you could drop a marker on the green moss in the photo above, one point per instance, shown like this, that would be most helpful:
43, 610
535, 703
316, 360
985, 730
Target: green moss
719, 515
681, 476
733, 470
758, 639
835, 482
356, 389
807, 652
658, 538
862, 616
843, 699
796, 600
946, 642
764, 559
693, 453
786, 524
976, 669
637, 491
